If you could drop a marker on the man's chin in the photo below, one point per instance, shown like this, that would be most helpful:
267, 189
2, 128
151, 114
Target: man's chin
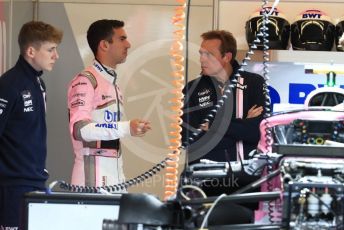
48, 68
204, 72
122, 61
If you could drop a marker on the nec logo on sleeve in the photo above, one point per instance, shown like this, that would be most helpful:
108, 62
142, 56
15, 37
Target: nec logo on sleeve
27, 99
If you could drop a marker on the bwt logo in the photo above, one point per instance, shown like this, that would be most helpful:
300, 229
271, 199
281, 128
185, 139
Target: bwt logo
297, 93
110, 116
267, 10
312, 16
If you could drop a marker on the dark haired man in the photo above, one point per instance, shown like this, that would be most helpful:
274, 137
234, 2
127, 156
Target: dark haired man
96, 107
23, 132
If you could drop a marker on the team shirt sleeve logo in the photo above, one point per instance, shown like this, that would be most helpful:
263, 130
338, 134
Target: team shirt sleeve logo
27, 99
77, 103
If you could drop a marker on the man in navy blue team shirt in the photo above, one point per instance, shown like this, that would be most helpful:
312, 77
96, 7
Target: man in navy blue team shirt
231, 134
23, 133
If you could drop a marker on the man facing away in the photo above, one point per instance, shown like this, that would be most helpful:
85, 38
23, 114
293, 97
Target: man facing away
23, 132
95, 106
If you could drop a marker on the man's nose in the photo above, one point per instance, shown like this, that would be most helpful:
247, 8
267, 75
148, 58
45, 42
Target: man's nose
56, 55
202, 58
128, 45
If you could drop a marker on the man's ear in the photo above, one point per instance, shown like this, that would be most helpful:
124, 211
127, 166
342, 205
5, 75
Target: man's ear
103, 44
30, 52
228, 57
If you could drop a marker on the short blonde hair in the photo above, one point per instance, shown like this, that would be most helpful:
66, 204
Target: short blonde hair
34, 33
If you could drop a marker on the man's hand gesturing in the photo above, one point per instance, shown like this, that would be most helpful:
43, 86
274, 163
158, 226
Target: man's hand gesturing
139, 127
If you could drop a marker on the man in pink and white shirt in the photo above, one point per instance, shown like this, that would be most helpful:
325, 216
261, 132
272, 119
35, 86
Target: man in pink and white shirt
96, 107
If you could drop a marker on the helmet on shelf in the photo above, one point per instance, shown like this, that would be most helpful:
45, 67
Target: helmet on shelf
340, 34
312, 30
278, 29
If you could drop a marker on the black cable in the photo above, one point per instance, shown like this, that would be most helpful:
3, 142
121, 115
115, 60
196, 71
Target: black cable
240, 160
258, 182
117, 187
260, 167
268, 131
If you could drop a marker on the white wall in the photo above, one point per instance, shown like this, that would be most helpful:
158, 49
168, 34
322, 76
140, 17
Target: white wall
10, 25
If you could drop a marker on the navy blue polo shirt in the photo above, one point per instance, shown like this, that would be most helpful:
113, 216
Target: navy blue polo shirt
23, 132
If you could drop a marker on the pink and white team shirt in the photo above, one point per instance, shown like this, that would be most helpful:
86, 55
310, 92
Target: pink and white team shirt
95, 108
